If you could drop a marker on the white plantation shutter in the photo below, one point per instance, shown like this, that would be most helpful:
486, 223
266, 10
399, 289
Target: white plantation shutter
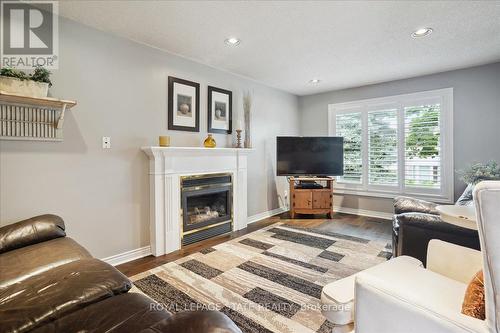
397, 145
348, 125
422, 146
383, 147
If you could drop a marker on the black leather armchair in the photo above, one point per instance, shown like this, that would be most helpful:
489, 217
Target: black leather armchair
416, 222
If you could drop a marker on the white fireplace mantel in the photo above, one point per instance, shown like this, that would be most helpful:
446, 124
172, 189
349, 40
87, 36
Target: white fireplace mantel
166, 167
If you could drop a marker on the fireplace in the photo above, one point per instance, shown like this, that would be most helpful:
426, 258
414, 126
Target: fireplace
172, 169
206, 206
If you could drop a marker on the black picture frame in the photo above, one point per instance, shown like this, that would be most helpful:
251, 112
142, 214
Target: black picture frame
211, 129
171, 92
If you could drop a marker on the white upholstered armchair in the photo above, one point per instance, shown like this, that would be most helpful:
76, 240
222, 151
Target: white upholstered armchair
415, 299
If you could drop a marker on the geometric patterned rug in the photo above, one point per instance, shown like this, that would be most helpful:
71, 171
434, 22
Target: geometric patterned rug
269, 280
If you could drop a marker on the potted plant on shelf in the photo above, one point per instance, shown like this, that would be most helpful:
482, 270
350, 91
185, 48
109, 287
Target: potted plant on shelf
16, 81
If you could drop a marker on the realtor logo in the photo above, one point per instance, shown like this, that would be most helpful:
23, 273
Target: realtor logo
29, 33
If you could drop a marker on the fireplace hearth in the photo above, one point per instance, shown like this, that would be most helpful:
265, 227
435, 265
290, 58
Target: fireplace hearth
206, 202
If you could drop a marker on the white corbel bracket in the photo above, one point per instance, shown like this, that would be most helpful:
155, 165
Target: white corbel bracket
60, 121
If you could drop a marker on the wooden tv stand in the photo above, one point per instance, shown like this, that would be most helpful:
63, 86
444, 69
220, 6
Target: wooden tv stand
311, 200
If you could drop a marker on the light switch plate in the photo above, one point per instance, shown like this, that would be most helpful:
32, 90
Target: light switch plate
106, 142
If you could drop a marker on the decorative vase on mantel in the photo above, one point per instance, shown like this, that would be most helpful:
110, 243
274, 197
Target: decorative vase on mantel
247, 106
209, 142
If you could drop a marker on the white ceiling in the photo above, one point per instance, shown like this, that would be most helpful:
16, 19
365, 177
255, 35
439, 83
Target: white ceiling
287, 43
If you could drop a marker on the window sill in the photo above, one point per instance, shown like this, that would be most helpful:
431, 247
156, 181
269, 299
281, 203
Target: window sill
391, 195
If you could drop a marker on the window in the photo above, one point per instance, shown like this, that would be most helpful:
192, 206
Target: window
397, 145
349, 126
383, 147
422, 156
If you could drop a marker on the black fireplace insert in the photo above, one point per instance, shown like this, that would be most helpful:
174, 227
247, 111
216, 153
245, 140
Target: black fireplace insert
207, 206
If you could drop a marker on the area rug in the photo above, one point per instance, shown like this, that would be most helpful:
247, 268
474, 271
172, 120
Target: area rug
269, 280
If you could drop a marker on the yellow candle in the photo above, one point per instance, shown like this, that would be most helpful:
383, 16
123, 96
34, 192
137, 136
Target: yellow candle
164, 141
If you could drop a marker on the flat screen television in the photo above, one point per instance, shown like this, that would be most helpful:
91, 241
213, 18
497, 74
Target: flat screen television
310, 156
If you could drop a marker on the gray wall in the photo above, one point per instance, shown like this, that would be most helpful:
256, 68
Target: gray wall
121, 89
476, 117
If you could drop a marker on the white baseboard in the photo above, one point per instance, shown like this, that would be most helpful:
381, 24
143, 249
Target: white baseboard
363, 212
124, 257
264, 215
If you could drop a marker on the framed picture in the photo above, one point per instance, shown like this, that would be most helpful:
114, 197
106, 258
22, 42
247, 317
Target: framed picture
183, 105
220, 110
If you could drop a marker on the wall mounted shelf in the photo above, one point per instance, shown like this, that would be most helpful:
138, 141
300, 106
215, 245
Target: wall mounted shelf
31, 118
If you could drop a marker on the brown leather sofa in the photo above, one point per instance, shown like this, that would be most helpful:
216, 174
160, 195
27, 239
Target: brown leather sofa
49, 283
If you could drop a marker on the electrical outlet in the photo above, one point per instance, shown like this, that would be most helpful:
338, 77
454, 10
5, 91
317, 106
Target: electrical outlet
106, 142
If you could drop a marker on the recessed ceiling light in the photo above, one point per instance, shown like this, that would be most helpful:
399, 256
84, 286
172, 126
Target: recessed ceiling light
422, 32
232, 41
314, 81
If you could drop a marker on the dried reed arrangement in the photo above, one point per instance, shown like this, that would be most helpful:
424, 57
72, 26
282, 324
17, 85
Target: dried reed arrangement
247, 106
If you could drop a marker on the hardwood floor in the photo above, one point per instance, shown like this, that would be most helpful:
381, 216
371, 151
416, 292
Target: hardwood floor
354, 225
